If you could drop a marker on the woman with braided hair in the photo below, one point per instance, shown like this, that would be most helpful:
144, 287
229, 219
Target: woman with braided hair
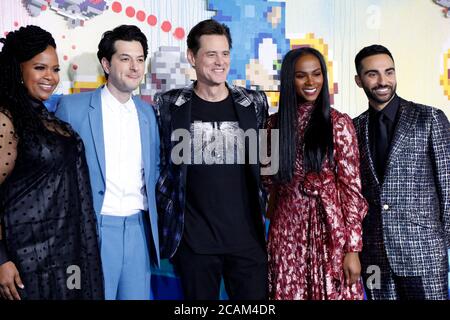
48, 240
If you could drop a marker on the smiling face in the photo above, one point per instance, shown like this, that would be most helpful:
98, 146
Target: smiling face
126, 68
40, 74
308, 78
212, 60
377, 79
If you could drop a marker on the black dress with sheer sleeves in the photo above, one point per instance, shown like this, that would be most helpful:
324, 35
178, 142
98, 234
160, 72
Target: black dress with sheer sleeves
48, 222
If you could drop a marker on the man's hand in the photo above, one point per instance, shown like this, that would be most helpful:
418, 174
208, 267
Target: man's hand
352, 268
9, 278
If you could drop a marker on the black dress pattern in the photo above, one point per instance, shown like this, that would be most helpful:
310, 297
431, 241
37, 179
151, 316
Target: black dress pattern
47, 216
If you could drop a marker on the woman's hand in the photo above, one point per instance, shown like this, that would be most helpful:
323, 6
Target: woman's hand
9, 278
352, 268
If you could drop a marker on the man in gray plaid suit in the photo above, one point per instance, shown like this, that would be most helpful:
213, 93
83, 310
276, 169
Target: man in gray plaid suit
405, 173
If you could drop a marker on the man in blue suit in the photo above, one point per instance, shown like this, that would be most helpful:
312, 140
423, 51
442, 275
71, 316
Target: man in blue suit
121, 139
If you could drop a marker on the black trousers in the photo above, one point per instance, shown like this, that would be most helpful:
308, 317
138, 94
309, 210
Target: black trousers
244, 274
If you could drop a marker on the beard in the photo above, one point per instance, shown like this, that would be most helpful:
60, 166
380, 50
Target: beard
371, 95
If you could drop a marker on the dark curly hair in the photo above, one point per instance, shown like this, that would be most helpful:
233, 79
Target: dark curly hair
107, 48
20, 46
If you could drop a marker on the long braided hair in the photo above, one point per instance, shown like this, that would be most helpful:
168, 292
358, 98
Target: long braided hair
20, 46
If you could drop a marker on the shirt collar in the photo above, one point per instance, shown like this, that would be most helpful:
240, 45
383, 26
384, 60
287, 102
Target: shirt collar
390, 110
112, 102
238, 94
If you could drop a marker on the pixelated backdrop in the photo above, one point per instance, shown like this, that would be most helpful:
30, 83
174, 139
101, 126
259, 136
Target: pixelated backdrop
416, 31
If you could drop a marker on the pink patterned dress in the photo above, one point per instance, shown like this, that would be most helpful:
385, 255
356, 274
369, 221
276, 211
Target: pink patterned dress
317, 220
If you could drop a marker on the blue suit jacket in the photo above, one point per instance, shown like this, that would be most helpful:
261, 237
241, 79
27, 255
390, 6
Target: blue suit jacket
84, 113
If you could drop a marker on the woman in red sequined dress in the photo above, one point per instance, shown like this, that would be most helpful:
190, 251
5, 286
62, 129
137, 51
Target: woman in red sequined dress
315, 229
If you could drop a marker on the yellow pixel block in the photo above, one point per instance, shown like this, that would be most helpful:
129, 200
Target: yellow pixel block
445, 77
273, 97
80, 86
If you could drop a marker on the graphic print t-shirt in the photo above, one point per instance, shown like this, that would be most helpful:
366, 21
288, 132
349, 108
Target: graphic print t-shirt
218, 216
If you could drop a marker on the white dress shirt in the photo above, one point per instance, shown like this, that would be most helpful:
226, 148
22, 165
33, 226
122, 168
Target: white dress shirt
125, 185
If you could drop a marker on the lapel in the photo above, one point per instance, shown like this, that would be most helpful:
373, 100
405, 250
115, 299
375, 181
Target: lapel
181, 110
96, 125
146, 138
244, 108
366, 147
406, 121
246, 114
181, 118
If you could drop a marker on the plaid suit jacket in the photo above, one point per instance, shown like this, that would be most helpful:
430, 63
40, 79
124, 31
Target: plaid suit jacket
173, 110
409, 214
